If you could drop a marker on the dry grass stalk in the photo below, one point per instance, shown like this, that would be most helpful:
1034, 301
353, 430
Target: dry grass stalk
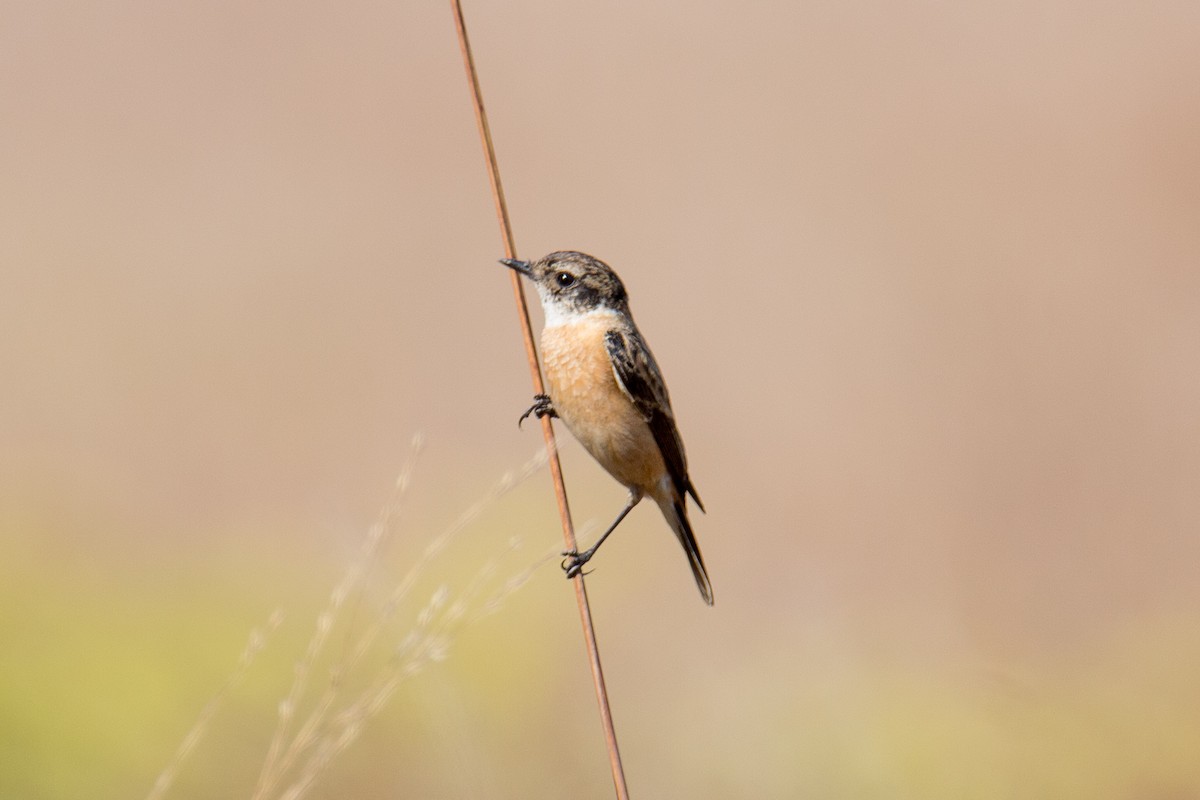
535, 374
298, 755
307, 735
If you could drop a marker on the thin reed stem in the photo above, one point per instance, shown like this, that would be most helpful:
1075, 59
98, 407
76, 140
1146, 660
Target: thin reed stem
535, 374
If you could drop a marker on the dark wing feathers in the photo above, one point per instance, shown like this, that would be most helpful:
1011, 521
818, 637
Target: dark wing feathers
638, 375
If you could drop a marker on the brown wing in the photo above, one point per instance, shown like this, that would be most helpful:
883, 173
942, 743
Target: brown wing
638, 375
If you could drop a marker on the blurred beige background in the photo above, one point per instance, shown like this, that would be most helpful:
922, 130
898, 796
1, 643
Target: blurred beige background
923, 279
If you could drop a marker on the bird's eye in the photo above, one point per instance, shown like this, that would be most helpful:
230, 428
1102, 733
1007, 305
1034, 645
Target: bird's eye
565, 279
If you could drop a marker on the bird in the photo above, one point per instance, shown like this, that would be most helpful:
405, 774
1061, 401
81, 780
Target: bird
606, 387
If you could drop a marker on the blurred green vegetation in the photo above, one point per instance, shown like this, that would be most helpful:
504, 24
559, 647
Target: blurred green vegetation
107, 665
921, 277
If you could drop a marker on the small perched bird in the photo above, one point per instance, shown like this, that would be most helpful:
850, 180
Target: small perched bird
607, 389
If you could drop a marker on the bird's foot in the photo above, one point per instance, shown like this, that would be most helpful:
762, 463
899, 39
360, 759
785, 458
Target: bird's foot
573, 562
541, 407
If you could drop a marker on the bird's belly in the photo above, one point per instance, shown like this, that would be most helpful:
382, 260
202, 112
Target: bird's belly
592, 405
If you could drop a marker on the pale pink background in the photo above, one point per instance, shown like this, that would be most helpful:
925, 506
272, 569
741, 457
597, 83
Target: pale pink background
923, 279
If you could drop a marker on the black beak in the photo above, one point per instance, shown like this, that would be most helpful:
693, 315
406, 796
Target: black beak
523, 267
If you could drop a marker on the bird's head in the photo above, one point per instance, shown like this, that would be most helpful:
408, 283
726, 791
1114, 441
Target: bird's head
571, 284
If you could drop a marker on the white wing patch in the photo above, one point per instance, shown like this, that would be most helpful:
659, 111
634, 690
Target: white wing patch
621, 383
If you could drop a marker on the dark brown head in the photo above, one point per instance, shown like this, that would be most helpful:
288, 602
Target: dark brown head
571, 283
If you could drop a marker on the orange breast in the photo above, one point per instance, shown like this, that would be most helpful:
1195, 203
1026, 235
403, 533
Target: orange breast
592, 405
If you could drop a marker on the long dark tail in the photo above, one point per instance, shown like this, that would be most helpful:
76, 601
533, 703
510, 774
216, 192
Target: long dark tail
676, 515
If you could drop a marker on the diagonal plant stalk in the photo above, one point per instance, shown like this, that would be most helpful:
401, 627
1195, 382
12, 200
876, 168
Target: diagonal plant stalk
279, 754
427, 643
308, 734
302, 747
535, 374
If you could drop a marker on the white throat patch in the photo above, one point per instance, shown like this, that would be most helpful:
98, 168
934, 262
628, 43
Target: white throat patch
562, 314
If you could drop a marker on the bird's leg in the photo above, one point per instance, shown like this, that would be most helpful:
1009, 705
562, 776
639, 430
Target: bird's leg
574, 561
541, 407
